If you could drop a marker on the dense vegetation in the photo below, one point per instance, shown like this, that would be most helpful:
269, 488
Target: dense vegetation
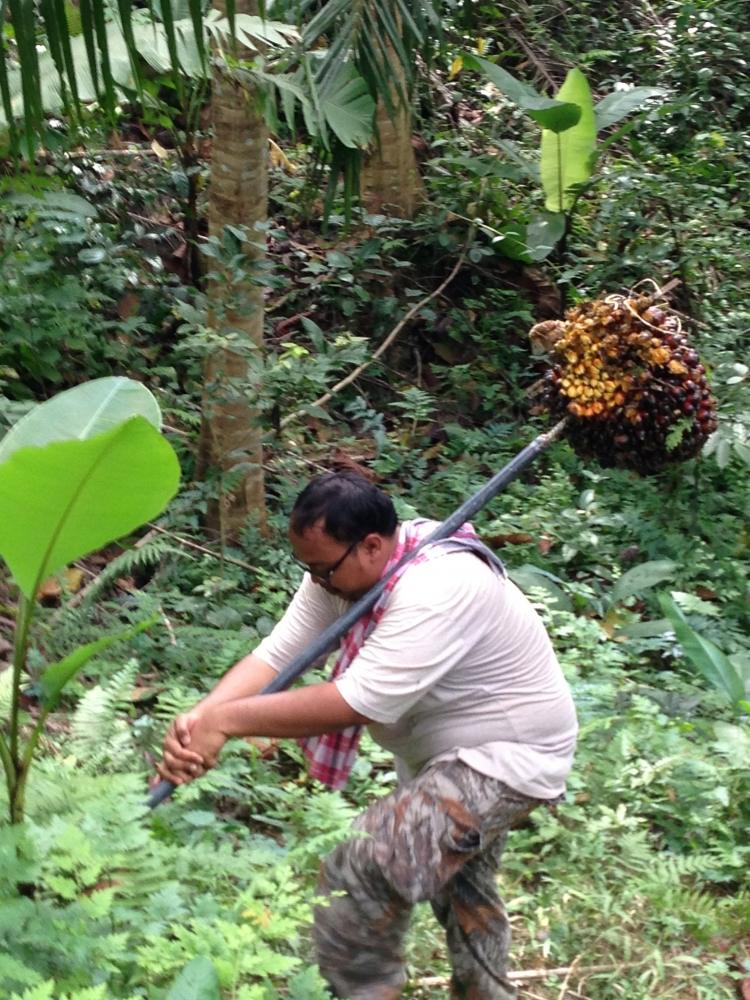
637, 886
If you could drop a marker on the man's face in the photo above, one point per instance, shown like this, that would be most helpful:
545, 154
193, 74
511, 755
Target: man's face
347, 570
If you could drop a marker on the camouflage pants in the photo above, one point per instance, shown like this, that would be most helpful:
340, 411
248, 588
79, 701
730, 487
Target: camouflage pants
438, 837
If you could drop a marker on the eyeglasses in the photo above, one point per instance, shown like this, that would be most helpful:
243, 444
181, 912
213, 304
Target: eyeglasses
325, 575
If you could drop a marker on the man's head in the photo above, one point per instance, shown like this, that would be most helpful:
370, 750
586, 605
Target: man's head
343, 529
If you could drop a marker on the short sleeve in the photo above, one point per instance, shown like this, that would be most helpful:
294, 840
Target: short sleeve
310, 612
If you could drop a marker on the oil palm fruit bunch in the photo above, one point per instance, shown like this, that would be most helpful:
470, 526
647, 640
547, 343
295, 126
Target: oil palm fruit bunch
633, 390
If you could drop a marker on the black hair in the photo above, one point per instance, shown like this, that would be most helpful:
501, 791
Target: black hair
349, 506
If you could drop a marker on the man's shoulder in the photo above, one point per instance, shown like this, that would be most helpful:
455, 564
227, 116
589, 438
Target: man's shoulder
456, 574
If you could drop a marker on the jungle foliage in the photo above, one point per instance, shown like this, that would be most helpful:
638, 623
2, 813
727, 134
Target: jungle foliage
638, 883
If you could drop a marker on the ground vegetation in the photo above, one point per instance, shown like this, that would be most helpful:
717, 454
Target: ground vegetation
402, 344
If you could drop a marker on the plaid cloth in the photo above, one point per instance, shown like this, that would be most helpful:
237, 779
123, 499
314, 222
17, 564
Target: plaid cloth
331, 756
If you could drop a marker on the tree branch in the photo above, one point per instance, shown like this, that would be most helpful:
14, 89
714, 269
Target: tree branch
353, 376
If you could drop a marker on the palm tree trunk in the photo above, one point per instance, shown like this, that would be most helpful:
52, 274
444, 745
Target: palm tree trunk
390, 179
231, 438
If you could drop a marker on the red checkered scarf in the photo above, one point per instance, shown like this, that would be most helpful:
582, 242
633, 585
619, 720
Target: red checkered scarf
332, 755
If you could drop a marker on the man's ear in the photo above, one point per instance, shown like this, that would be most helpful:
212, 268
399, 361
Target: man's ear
372, 543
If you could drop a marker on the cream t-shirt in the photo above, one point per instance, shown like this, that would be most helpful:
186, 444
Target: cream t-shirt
459, 666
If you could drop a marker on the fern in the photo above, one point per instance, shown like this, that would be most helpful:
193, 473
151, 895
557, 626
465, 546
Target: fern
174, 701
11, 970
673, 868
99, 737
133, 560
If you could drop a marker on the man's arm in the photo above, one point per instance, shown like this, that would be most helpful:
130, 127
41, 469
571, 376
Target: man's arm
306, 711
246, 678
310, 611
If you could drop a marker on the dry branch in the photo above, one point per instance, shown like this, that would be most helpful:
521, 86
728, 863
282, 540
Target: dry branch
353, 376
529, 975
188, 543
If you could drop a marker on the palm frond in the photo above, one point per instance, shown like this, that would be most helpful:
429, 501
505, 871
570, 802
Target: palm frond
372, 35
22, 16
5, 94
106, 60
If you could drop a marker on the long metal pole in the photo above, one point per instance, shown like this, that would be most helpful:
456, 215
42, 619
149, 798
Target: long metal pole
329, 638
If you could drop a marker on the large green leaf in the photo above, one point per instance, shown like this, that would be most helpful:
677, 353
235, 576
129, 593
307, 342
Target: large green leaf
59, 502
57, 675
511, 241
348, 108
197, 981
645, 629
290, 90
81, 413
63, 205
704, 654
551, 113
642, 577
621, 103
567, 157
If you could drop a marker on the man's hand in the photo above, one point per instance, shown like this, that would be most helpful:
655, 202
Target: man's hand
206, 738
181, 763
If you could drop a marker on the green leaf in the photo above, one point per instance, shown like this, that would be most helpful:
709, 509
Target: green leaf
511, 242
544, 231
515, 89
108, 97
566, 158
55, 204
642, 577
348, 109
168, 20
253, 32
92, 255
559, 118
82, 413
646, 629
64, 500
197, 981
23, 19
290, 90
711, 662
533, 242
57, 675
529, 577
734, 741
196, 16
621, 103
550, 113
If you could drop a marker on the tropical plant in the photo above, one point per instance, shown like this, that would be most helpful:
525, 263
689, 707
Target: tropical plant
381, 40
570, 124
131, 54
237, 49
67, 472
730, 675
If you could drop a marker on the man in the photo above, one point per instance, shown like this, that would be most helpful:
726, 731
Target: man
453, 671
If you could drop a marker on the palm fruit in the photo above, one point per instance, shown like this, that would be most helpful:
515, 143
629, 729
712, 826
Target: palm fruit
633, 390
